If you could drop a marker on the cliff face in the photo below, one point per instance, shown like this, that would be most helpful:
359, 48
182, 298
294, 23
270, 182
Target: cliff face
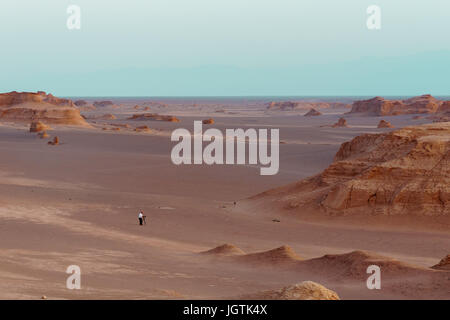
379, 106
403, 172
28, 106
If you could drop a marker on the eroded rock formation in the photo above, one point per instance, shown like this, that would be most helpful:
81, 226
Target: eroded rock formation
29, 107
379, 106
403, 172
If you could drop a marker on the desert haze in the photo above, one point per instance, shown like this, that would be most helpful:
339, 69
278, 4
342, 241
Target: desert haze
361, 181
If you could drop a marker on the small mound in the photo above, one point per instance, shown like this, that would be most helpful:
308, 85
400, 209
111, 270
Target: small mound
340, 124
281, 255
312, 113
142, 129
43, 135
354, 265
225, 250
384, 124
444, 264
307, 290
38, 126
54, 142
208, 121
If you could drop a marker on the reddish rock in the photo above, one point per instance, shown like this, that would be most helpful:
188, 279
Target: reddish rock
312, 113
208, 121
28, 107
379, 106
384, 124
154, 117
340, 124
103, 104
402, 172
444, 264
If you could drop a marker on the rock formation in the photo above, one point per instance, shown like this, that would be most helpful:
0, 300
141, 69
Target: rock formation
54, 142
208, 121
384, 124
302, 105
403, 172
81, 103
312, 112
142, 129
379, 106
444, 264
107, 116
38, 126
43, 135
340, 124
307, 290
102, 104
28, 107
153, 116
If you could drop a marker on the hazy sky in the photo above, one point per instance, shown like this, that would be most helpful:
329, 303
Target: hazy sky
225, 47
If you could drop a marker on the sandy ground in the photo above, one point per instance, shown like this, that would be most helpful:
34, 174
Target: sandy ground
77, 204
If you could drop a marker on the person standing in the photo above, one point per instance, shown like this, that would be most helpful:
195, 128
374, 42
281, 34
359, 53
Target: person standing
141, 218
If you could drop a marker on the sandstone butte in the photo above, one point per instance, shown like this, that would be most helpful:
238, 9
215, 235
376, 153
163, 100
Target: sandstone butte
379, 106
402, 172
29, 107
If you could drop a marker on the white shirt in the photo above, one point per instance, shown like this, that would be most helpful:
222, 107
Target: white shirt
141, 215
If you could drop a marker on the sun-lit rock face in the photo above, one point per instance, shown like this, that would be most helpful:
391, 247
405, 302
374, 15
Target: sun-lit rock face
403, 172
379, 106
28, 107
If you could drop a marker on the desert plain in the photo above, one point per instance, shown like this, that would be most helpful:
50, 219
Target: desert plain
221, 231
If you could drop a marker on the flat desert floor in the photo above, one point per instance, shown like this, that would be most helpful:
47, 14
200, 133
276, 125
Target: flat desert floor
77, 204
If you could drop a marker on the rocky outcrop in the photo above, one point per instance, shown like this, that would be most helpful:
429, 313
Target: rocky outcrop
142, 129
154, 117
342, 123
306, 290
379, 106
38, 126
444, 264
384, 124
102, 104
29, 107
81, 103
403, 172
312, 113
302, 105
208, 121
16, 98
54, 142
